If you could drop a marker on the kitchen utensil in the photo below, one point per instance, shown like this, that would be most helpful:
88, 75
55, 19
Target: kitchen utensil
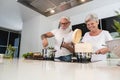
61, 43
114, 46
77, 34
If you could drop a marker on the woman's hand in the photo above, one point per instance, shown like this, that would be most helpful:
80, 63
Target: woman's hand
102, 51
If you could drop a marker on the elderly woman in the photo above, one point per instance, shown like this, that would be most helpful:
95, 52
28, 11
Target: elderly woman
96, 37
62, 35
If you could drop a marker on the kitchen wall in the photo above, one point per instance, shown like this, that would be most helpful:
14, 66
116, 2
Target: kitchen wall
32, 29
102, 12
10, 16
38, 24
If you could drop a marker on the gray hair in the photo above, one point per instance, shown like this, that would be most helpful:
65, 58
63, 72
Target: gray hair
91, 17
65, 17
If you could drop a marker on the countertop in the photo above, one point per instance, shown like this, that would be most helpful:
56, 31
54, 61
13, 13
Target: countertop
21, 69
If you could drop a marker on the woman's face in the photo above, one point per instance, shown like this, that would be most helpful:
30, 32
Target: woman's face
92, 25
64, 24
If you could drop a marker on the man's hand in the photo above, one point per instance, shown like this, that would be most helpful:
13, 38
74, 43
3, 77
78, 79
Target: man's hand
45, 42
68, 46
65, 45
44, 38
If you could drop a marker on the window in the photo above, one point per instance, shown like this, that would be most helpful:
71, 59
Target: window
3, 37
14, 39
10, 37
2, 50
107, 23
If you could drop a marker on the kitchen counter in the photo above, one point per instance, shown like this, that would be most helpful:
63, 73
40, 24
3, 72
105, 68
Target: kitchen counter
21, 69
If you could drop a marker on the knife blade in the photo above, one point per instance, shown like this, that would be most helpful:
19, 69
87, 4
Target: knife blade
61, 43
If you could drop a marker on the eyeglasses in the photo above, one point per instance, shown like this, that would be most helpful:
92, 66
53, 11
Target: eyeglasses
64, 23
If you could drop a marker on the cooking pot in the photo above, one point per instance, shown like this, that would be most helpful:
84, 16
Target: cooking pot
48, 54
83, 57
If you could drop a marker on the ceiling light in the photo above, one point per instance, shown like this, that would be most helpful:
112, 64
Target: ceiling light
52, 11
82, 0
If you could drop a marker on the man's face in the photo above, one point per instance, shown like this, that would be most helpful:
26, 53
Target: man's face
64, 23
92, 25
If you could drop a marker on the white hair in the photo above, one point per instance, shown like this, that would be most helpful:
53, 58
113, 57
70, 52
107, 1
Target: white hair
65, 17
91, 17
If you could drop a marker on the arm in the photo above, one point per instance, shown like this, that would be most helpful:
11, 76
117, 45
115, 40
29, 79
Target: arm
68, 46
44, 38
102, 51
107, 38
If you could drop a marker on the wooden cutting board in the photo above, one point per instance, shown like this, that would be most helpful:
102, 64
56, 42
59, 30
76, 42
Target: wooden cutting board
77, 34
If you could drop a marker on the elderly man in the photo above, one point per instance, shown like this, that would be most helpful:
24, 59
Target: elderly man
62, 35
